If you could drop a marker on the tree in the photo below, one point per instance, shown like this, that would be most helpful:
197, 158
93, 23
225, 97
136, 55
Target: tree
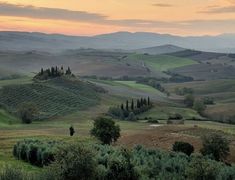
183, 147
71, 131
122, 107
41, 73
68, 72
132, 104
216, 146
127, 105
138, 103
27, 112
105, 130
189, 100
199, 106
148, 101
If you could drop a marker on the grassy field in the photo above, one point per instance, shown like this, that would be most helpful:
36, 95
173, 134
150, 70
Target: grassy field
162, 112
161, 62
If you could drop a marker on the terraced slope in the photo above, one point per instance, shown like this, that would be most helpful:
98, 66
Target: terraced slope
53, 98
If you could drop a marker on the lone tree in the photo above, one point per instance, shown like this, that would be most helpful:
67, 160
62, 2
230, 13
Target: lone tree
71, 131
183, 147
27, 112
189, 100
199, 106
105, 130
216, 146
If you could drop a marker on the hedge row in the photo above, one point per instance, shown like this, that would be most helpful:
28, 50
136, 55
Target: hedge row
36, 152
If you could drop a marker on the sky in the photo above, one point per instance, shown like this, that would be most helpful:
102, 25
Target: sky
92, 17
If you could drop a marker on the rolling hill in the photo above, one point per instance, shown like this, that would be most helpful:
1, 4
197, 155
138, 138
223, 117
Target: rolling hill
55, 97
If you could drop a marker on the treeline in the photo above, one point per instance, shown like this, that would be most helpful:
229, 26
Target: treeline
53, 72
129, 110
35, 152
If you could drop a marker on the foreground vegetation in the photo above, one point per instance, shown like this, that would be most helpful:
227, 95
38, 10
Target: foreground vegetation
94, 161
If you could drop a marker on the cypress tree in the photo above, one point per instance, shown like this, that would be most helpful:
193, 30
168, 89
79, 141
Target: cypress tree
127, 105
56, 71
145, 102
122, 107
42, 71
148, 101
138, 103
52, 71
141, 102
132, 105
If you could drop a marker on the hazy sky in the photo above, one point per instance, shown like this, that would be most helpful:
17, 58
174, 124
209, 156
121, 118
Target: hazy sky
90, 17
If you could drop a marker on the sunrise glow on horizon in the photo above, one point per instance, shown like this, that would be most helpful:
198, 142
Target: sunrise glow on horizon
80, 17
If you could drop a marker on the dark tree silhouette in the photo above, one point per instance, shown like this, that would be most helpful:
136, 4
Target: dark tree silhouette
127, 105
132, 104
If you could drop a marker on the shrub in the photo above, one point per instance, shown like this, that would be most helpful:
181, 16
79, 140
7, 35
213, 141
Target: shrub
189, 100
175, 117
74, 161
199, 106
131, 117
200, 168
36, 152
183, 147
27, 112
105, 130
116, 112
208, 100
216, 146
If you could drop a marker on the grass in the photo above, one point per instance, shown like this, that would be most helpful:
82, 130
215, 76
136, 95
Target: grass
161, 62
163, 112
142, 87
24, 80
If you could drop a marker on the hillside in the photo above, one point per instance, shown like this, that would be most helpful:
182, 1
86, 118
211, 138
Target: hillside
24, 41
55, 97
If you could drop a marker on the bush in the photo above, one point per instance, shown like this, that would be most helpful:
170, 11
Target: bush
215, 146
27, 112
208, 100
183, 147
189, 100
105, 130
116, 112
199, 106
36, 152
175, 117
74, 161
131, 117
200, 168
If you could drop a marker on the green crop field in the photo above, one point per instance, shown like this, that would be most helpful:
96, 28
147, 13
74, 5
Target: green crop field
161, 62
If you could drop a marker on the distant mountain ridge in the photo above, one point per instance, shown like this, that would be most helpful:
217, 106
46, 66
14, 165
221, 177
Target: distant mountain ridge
23, 41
